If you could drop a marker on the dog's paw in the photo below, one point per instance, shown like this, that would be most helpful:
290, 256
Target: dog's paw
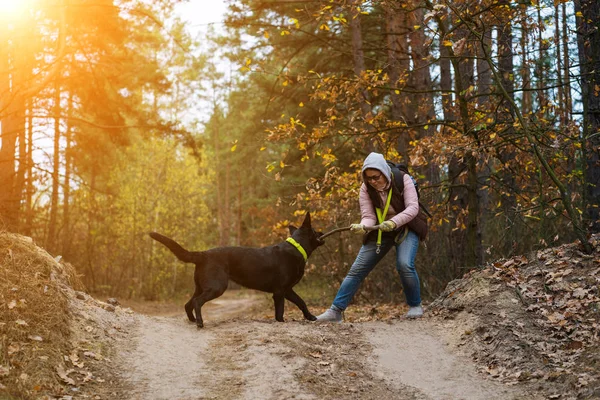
311, 318
199, 325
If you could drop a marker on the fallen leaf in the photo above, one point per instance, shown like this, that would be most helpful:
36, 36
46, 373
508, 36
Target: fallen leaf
573, 345
35, 338
4, 371
21, 322
316, 355
13, 348
64, 375
12, 304
324, 363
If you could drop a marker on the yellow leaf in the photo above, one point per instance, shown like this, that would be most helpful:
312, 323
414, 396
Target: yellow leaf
416, 27
262, 148
283, 33
233, 147
301, 104
579, 14
281, 164
266, 35
447, 43
284, 83
324, 27
492, 136
248, 61
397, 91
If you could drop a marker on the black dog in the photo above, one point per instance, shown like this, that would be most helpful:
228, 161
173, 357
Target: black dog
274, 269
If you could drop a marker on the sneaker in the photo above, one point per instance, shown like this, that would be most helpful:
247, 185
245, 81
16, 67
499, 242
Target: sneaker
330, 315
415, 312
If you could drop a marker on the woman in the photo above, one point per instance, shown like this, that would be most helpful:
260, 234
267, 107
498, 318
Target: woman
395, 210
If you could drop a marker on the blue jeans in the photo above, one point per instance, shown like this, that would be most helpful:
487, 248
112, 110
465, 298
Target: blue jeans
368, 258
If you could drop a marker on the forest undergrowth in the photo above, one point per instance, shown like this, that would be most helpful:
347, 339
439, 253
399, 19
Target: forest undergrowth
529, 320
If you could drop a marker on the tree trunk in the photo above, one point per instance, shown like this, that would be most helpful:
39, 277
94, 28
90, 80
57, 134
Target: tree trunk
484, 74
29, 187
66, 233
359, 68
397, 57
506, 154
422, 100
527, 102
358, 54
8, 136
588, 36
568, 106
559, 77
446, 77
51, 240
539, 68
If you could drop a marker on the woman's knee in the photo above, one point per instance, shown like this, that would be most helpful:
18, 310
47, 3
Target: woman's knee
405, 266
359, 271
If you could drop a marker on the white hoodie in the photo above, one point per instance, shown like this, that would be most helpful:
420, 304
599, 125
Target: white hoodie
367, 210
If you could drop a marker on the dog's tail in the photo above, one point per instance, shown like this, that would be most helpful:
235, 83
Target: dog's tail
180, 252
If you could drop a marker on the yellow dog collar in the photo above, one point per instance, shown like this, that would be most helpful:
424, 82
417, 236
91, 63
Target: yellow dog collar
298, 246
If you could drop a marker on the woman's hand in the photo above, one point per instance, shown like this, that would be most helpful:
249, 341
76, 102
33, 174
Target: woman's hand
387, 226
357, 228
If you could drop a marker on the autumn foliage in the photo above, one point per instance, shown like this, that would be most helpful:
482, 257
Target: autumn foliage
492, 104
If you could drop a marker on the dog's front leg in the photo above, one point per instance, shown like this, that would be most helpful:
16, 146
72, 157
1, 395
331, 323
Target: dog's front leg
279, 300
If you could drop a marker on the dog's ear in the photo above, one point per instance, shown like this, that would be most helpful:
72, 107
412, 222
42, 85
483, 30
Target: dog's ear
292, 229
306, 223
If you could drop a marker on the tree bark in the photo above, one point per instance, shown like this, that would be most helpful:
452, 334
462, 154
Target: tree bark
12, 108
66, 232
422, 101
588, 36
397, 57
51, 239
358, 54
568, 106
505, 116
446, 76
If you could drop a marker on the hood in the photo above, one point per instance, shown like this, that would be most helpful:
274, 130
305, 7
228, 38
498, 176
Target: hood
377, 161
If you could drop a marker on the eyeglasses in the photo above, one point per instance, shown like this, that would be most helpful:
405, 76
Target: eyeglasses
373, 178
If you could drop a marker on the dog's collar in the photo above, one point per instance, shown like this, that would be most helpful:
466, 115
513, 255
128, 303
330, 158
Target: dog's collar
298, 246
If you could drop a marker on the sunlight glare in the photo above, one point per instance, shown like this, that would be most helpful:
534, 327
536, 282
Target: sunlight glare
12, 8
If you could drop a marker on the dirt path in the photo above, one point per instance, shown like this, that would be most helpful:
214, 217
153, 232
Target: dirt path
238, 357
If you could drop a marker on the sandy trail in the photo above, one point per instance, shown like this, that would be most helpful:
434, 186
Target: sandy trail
236, 357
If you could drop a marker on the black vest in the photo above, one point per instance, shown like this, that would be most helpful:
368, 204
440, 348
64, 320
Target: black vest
417, 224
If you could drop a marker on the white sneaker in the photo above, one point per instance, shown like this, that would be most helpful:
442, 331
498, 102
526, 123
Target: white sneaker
330, 316
415, 312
